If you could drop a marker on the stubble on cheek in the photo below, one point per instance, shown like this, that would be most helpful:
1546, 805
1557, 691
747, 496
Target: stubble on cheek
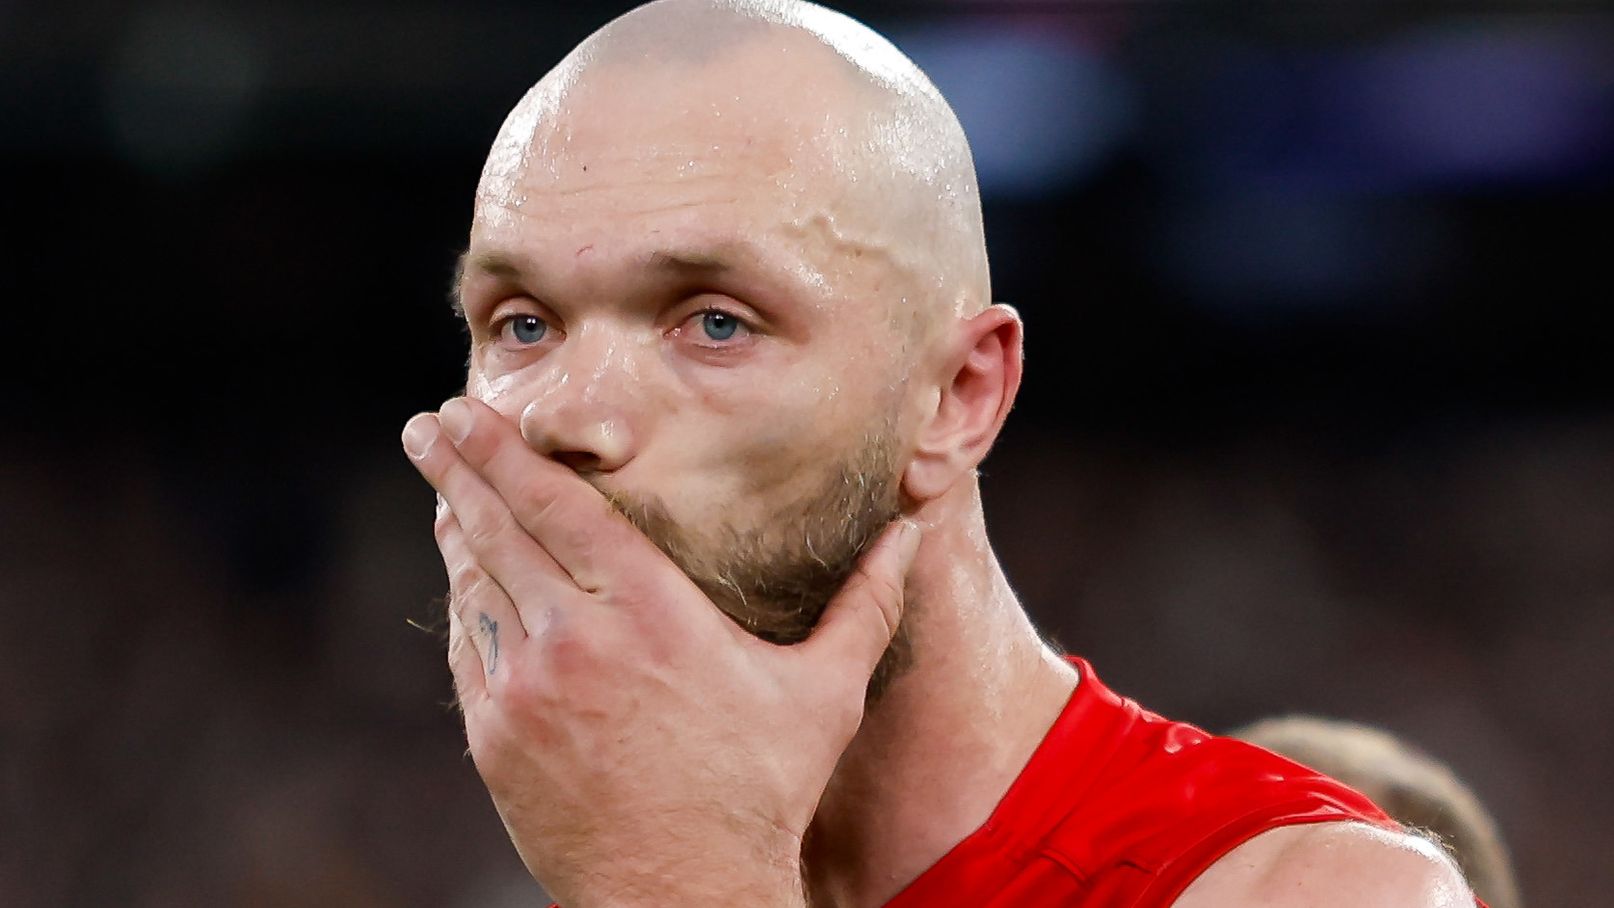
773, 570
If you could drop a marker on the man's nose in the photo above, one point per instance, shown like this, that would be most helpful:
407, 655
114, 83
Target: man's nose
583, 413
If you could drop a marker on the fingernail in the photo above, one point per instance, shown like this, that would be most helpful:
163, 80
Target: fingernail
456, 417
419, 434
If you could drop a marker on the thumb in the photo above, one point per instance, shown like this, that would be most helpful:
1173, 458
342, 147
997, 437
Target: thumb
860, 621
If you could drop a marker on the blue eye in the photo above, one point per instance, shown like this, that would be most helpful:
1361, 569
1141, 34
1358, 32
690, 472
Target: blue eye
526, 329
719, 326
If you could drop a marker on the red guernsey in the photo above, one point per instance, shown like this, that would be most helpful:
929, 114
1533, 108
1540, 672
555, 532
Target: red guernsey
1120, 808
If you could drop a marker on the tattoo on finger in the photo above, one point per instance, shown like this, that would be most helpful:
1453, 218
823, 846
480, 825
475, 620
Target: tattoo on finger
490, 629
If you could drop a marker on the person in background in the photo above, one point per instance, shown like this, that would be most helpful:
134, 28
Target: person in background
1419, 791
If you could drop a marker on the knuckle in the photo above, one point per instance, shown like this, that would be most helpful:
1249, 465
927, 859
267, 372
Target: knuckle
490, 526
462, 571
569, 653
539, 504
462, 658
536, 691
456, 647
466, 585
548, 512
883, 597
574, 651
444, 527
887, 595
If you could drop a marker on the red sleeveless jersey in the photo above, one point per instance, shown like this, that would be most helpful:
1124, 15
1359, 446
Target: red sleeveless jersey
1120, 808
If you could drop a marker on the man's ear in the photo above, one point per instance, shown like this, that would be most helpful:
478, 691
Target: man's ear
978, 381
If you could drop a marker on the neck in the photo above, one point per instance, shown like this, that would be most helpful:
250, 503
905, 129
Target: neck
938, 750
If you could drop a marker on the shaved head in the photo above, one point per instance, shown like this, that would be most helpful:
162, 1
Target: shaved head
864, 150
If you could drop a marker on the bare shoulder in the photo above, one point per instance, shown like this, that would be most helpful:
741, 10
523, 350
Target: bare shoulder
1331, 864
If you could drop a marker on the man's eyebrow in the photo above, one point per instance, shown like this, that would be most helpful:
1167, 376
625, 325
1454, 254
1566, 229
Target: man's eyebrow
495, 264
686, 262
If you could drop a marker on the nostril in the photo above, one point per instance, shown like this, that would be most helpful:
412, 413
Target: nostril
579, 461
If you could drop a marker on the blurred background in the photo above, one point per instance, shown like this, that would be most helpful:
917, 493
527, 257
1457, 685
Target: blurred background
1317, 414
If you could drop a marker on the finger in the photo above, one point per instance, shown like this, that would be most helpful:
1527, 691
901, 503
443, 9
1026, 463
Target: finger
858, 624
594, 544
482, 607
470, 682
495, 539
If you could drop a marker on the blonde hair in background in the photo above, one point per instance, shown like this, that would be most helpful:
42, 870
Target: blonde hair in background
1417, 790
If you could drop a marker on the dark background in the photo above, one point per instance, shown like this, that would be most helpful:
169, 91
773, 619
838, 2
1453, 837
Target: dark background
1317, 413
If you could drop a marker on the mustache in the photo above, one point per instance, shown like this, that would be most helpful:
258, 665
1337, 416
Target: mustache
773, 578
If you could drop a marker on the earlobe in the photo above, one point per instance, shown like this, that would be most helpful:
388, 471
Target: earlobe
928, 471
976, 388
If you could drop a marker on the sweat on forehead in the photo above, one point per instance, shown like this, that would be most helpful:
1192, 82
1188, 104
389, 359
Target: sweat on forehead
808, 100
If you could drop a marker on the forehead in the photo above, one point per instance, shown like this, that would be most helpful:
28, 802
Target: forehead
634, 159
766, 121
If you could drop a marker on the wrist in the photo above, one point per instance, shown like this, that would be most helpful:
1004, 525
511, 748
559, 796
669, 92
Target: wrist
699, 892
763, 878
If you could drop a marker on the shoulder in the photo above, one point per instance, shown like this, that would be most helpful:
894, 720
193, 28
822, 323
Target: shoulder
1331, 864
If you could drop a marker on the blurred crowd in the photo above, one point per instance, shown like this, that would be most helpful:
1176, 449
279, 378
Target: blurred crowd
178, 731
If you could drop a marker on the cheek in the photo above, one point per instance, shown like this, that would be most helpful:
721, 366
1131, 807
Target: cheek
737, 469
743, 447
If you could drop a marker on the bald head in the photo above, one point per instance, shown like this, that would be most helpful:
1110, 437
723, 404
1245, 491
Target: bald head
839, 142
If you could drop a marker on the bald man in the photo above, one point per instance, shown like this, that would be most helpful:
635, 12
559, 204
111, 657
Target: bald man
725, 622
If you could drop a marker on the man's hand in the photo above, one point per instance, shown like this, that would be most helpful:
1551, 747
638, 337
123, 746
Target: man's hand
640, 747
